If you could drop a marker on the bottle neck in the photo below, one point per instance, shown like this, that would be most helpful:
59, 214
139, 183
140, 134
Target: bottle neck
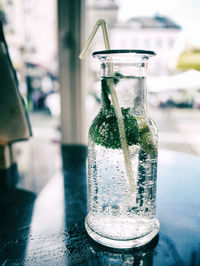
139, 97
129, 82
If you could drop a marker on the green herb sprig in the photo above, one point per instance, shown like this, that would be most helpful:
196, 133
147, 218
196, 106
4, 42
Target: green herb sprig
104, 129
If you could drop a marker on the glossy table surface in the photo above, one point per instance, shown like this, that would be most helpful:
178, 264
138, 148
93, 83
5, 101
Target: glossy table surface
48, 228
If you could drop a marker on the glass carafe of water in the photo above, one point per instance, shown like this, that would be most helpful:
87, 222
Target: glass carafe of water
122, 155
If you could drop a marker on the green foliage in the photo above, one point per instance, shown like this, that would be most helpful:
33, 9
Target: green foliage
104, 129
189, 60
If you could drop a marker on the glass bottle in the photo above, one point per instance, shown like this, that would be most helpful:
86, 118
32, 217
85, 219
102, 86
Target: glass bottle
113, 257
122, 155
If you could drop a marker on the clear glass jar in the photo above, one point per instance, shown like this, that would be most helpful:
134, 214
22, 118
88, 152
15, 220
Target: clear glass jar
122, 155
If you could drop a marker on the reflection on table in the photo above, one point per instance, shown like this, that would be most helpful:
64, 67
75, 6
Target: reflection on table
48, 228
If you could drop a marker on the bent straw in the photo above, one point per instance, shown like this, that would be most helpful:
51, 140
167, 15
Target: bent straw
100, 22
126, 152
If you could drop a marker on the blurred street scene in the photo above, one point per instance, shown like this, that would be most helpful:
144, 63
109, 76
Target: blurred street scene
173, 83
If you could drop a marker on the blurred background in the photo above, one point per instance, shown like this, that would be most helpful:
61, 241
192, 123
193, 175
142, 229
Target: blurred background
170, 28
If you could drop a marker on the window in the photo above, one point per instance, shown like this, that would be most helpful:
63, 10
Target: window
171, 42
159, 43
146, 43
134, 42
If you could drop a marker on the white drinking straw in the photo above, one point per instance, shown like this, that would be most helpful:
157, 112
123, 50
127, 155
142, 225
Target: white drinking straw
125, 148
102, 23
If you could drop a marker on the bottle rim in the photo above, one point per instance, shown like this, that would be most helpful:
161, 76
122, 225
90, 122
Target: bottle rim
124, 51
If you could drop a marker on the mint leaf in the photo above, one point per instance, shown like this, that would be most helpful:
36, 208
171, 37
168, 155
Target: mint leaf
104, 129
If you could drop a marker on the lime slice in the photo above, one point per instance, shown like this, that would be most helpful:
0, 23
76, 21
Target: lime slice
146, 140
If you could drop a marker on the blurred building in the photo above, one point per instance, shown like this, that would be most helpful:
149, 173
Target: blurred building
14, 29
99, 9
148, 33
107, 9
31, 32
157, 33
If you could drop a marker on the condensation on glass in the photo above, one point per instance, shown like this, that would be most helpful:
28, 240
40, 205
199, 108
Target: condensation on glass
120, 216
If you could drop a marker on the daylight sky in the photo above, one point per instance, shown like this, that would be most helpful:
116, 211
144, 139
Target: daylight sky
185, 12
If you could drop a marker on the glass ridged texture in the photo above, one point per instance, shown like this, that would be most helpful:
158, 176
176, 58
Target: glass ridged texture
120, 216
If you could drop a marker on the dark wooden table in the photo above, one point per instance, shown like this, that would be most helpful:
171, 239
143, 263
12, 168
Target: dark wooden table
48, 228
